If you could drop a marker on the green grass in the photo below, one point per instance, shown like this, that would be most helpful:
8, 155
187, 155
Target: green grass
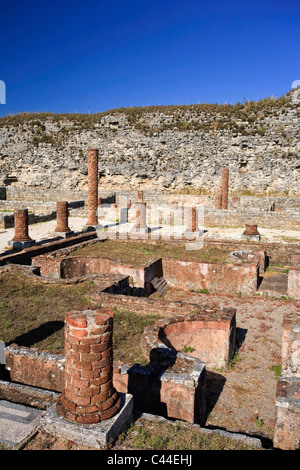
146, 435
32, 315
136, 253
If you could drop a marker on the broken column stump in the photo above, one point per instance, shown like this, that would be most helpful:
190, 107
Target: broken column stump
251, 232
89, 396
62, 215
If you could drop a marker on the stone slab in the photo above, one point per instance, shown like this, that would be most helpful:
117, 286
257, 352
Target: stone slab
92, 435
17, 424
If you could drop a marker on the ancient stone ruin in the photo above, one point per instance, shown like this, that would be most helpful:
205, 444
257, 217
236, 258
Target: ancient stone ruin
206, 300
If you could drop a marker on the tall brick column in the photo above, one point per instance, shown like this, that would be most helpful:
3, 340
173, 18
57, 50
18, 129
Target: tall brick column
225, 180
21, 225
89, 396
92, 199
192, 220
62, 217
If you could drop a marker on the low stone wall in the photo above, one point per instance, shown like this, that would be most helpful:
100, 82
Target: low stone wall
55, 267
290, 362
28, 254
160, 390
36, 368
294, 283
287, 220
287, 419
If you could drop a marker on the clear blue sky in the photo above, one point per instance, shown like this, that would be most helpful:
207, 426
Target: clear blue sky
93, 55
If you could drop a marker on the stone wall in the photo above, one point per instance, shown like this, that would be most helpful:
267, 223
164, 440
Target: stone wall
215, 277
176, 148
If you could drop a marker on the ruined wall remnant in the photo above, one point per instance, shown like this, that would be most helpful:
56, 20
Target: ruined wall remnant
21, 225
287, 421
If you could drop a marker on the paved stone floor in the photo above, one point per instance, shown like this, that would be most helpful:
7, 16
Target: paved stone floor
17, 424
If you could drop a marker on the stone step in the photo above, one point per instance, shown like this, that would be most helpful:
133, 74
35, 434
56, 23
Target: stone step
160, 285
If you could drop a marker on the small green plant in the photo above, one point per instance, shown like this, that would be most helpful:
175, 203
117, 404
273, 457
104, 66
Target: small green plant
187, 349
276, 368
234, 360
203, 291
258, 421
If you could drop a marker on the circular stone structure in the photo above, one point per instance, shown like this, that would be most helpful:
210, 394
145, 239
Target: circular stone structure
208, 334
89, 396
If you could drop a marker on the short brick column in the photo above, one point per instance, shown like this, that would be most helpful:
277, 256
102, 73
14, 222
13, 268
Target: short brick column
62, 214
192, 225
251, 232
89, 396
141, 217
225, 180
21, 225
92, 199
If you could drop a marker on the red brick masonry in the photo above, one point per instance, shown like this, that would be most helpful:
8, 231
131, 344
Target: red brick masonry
89, 396
62, 217
92, 200
21, 225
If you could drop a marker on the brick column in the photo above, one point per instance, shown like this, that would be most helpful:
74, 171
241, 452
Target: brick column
141, 217
140, 196
89, 396
251, 232
21, 225
251, 229
225, 180
92, 199
192, 220
62, 217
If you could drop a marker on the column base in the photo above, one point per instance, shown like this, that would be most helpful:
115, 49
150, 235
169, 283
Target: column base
97, 435
67, 234
21, 245
192, 235
251, 237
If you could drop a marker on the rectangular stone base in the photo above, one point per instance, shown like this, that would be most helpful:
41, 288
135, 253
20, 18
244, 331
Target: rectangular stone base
254, 238
193, 235
98, 435
64, 234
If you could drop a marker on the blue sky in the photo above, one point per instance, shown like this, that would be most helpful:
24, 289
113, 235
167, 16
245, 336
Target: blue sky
90, 56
